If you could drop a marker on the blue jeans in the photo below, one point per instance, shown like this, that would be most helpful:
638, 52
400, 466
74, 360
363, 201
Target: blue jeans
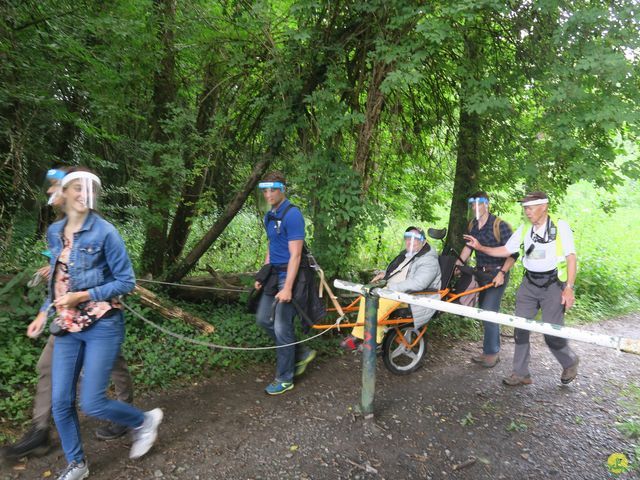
282, 331
94, 350
490, 300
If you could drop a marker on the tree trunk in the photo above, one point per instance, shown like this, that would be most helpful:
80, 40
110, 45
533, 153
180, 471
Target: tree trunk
466, 180
183, 267
167, 310
366, 134
164, 94
193, 189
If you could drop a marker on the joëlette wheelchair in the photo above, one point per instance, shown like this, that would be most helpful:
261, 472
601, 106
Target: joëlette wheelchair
404, 345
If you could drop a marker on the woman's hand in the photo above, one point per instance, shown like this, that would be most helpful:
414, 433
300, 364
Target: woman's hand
71, 299
36, 327
498, 279
257, 285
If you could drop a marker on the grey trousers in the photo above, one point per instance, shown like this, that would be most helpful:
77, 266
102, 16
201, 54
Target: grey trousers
529, 300
120, 377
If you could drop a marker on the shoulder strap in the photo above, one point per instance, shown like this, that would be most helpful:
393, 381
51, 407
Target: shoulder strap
270, 216
496, 229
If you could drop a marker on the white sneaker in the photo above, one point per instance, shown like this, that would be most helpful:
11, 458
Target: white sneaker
75, 471
145, 435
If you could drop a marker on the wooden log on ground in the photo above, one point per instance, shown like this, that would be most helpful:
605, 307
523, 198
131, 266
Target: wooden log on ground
167, 310
221, 288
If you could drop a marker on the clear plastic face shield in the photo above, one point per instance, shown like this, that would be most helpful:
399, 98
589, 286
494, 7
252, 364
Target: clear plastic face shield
53, 186
269, 194
478, 206
413, 242
81, 190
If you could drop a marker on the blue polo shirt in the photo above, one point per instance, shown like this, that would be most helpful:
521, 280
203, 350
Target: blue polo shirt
291, 228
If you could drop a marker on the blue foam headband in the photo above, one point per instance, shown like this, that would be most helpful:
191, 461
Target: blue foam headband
417, 236
55, 174
279, 185
479, 200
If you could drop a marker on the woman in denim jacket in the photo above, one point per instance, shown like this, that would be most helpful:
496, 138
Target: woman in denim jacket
90, 269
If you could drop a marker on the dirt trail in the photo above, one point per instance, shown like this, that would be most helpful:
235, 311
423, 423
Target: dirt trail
451, 419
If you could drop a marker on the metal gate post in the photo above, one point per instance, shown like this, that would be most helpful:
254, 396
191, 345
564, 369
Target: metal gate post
369, 354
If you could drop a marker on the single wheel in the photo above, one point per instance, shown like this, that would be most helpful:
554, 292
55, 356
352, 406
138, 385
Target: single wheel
397, 357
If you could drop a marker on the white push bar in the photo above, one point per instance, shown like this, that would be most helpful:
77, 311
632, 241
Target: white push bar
629, 345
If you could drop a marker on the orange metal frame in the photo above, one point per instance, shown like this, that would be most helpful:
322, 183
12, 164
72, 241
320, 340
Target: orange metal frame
445, 295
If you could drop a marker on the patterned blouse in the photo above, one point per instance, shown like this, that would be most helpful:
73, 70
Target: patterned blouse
84, 314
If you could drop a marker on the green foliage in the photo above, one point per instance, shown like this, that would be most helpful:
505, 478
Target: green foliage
629, 424
517, 426
18, 306
359, 103
467, 420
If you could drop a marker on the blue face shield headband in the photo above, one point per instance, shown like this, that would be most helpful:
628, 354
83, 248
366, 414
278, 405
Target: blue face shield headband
273, 185
415, 235
54, 174
473, 201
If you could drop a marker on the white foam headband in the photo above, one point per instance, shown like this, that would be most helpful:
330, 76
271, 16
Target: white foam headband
530, 203
76, 175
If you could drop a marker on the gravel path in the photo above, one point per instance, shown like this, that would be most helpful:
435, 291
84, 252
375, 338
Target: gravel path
451, 419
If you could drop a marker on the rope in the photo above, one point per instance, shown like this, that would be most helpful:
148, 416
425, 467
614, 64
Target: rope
215, 345
201, 287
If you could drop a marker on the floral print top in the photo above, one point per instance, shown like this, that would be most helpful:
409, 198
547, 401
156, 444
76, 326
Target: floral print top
84, 314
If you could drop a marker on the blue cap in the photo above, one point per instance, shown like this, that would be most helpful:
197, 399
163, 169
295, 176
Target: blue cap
55, 174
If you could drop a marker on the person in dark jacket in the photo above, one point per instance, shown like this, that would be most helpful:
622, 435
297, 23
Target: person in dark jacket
491, 231
276, 312
415, 269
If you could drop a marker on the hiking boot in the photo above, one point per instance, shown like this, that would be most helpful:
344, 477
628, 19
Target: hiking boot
145, 435
570, 374
75, 471
515, 380
301, 366
35, 442
490, 361
350, 343
111, 431
276, 388
478, 358
486, 361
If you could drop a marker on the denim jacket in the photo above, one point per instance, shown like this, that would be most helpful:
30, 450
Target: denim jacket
98, 261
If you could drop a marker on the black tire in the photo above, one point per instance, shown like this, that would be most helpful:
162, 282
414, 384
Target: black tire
395, 355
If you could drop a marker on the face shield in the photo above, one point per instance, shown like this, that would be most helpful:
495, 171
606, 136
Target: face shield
81, 189
534, 208
478, 206
413, 241
53, 186
269, 194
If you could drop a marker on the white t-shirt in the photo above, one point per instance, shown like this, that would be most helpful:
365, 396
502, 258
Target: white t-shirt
543, 257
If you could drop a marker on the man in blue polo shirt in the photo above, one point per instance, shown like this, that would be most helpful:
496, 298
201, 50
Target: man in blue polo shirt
284, 224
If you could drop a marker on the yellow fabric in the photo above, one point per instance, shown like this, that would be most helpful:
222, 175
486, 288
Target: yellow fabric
384, 308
